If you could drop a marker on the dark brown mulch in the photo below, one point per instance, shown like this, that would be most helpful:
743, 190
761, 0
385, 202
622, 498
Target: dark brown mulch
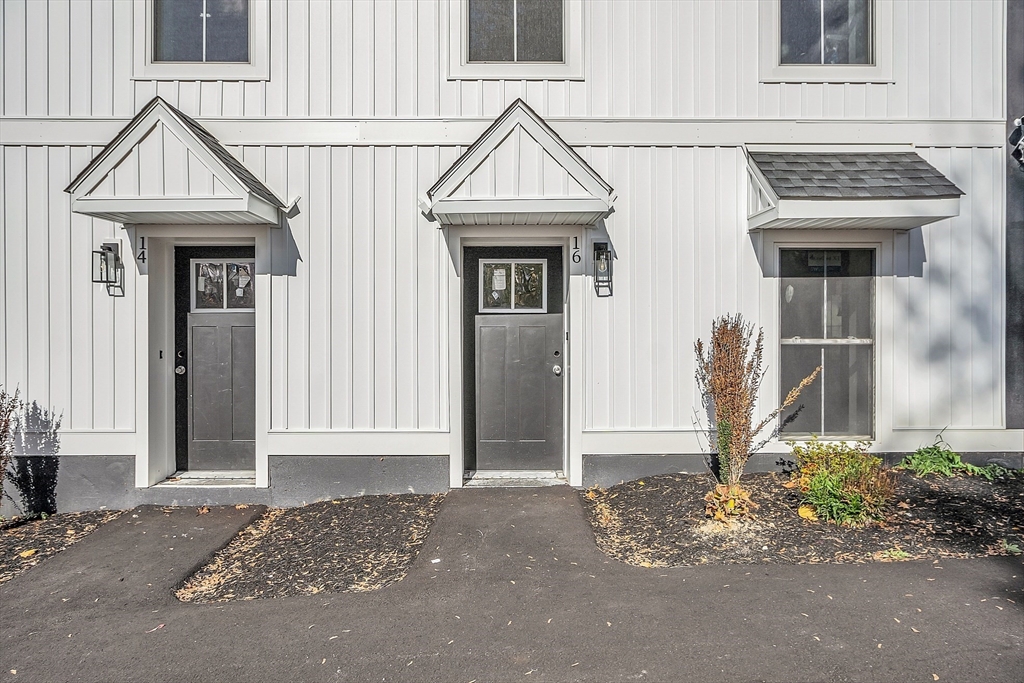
24, 543
338, 546
659, 522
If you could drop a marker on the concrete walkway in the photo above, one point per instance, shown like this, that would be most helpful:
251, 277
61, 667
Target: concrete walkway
520, 592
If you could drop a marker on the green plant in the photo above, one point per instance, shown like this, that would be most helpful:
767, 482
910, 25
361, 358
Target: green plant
729, 374
842, 482
1010, 548
941, 459
894, 553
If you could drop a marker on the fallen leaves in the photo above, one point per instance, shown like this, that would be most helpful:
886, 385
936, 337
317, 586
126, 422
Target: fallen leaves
27, 553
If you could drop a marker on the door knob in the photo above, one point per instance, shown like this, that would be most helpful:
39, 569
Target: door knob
557, 370
180, 370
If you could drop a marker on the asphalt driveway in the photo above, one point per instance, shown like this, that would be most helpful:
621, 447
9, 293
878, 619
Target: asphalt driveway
509, 586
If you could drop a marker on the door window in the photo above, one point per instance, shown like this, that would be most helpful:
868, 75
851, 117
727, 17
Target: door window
223, 285
827, 304
513, 286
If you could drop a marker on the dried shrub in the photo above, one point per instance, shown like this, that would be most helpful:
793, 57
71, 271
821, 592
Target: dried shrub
729, 375
842, 482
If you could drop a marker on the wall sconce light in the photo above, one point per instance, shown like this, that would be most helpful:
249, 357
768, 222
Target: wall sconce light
602, 269
107, 268
1017, 142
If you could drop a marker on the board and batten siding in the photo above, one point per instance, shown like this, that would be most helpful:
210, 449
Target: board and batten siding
386, 58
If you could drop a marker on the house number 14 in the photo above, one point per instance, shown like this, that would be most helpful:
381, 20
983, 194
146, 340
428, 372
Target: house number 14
142, 250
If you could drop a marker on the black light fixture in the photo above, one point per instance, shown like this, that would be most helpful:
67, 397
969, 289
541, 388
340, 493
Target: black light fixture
1017, 142
602, 269
107, 268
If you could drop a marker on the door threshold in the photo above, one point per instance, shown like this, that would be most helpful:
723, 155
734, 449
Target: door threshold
513, 478
210, 479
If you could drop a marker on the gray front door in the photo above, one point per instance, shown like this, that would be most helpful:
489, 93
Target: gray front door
519, 373
222, 391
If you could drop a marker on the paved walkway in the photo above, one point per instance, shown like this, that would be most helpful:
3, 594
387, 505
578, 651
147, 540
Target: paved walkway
519, 593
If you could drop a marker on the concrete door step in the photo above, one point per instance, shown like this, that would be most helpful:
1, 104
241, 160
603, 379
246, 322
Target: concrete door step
513, 478
210, 479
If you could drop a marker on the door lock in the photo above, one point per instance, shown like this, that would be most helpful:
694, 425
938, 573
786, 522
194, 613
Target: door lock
180, 370
557, 370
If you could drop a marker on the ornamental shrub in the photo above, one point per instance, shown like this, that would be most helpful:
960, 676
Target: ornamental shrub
842, 482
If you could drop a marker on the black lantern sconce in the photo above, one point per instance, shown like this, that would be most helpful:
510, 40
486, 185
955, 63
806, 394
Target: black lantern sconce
108, 269
602, 269
1017, 142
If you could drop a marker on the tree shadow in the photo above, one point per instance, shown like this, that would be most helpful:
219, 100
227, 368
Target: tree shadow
36, 440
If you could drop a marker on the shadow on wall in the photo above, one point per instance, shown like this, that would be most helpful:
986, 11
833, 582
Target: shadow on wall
33, 474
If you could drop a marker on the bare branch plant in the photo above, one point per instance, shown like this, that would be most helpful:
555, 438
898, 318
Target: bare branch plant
729, 375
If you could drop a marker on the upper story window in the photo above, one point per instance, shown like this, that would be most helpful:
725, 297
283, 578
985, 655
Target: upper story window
515, 39
516, 31
826, 41
202, 39
201, 30
825, 32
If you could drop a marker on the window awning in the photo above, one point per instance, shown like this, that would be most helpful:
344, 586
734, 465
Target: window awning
826, 190
519, 172
165, 168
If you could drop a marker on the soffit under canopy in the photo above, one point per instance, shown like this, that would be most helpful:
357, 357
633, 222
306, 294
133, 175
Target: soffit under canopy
165, 168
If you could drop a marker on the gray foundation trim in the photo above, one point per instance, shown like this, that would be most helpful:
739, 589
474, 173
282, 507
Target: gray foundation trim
301, 479
1014, 222
94, 482
608, 470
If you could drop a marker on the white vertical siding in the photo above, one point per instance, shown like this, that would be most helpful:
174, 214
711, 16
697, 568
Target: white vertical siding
65, 344
388, 58
949, 316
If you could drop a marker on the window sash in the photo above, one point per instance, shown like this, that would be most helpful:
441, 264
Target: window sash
494, 32
176, 39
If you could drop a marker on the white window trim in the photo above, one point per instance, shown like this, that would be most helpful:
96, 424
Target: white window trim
256, 69
460, 68
772, 71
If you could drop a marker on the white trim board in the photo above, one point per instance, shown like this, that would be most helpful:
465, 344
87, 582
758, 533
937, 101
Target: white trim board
575, 131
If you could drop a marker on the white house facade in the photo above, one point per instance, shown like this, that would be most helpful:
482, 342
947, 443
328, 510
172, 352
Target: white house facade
283, 250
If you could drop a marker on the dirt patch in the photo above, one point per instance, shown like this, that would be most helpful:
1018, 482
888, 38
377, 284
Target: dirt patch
24, 543
659, 522
339, 546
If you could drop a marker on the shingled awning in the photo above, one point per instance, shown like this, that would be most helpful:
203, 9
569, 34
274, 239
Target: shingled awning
888, 190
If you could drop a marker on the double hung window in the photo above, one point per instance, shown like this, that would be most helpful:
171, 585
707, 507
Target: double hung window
516, 31
516, 39
826, 41
200, 30
827, 303
202, 39
826, 32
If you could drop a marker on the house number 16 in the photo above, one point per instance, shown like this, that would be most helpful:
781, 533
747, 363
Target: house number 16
576, 258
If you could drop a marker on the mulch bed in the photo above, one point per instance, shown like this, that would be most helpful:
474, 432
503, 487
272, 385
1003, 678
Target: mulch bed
24, 543
659, 522
339, 546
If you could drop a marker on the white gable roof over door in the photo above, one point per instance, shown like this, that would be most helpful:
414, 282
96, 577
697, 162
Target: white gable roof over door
519, 172
166, 168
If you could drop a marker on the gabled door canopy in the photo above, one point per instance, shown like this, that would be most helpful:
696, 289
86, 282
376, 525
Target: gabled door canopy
830, 190
492, 183
192, 178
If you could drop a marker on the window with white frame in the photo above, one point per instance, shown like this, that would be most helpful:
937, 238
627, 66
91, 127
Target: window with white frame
826, 41
202, 39
518, 39
827, 303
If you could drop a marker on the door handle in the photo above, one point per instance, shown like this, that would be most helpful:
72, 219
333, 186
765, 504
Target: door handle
557, 370
180, 370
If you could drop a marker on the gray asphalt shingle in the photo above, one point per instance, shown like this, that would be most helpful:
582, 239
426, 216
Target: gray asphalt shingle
865, 175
